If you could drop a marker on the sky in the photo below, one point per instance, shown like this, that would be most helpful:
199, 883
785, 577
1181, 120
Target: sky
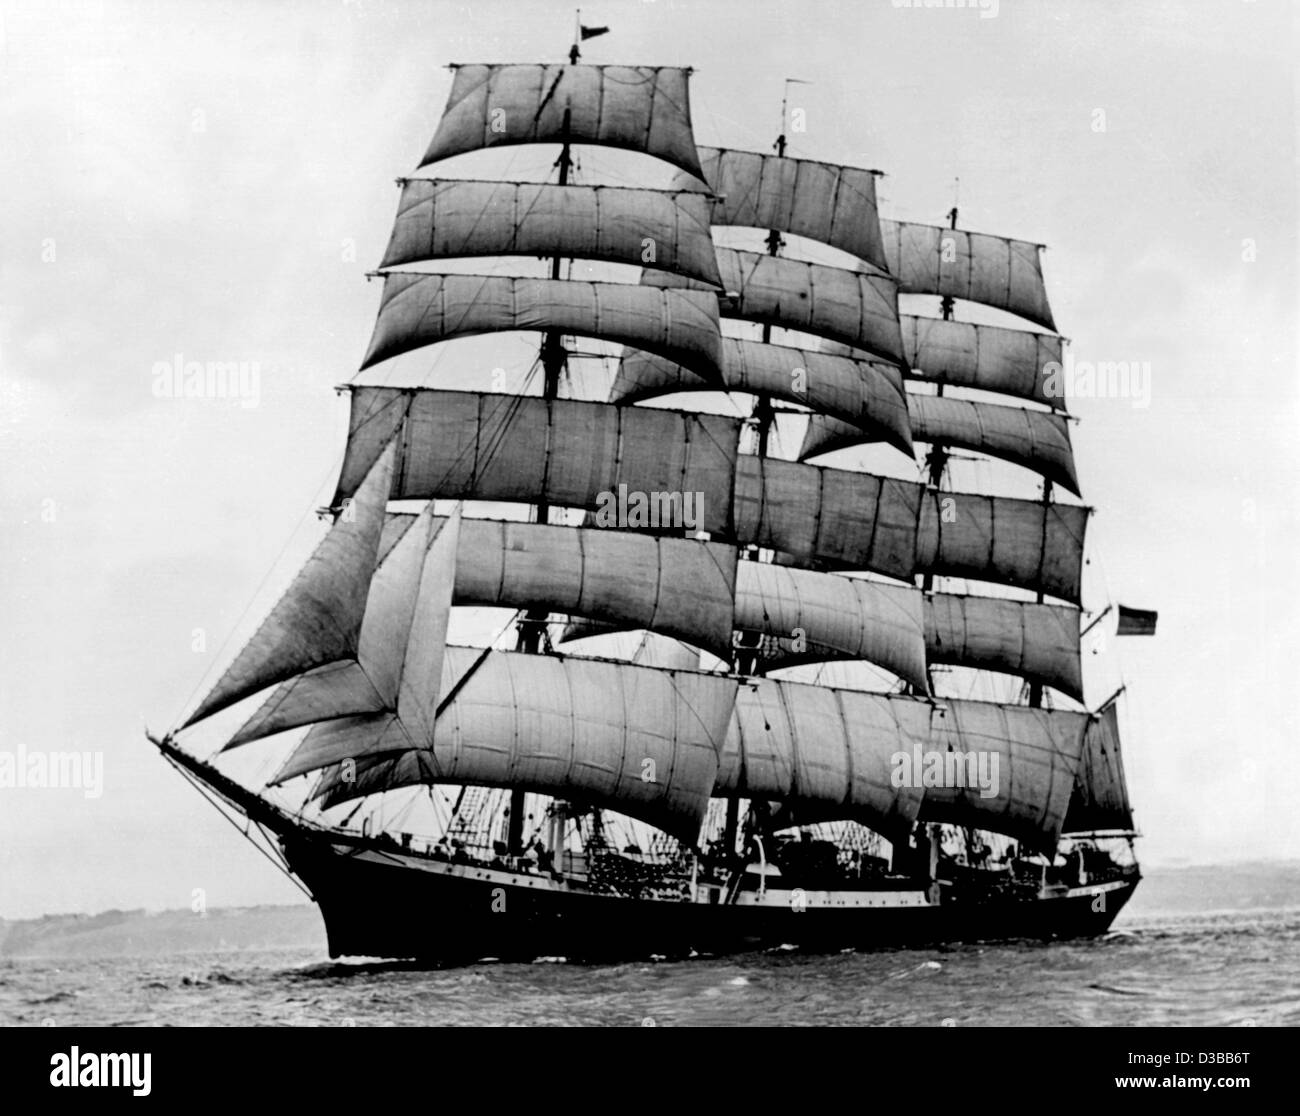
211, 181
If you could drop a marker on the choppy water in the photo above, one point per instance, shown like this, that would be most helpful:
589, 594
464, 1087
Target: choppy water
1227, 969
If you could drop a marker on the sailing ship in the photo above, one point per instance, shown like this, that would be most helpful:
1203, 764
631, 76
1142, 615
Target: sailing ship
701, 786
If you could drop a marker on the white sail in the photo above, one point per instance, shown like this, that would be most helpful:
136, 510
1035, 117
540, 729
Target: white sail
454, 218
525, 449
816, 616
993, 270
638, 108
676, 587
417, 310
1100, 799
831, 204
991, 358
548, 724
400, 645
857, 308
319, 618
859, 619
851, 520
1038, 642
635, 739
1036, 440
866, 393
1038, 754
465, 445
823, 748
1017, 542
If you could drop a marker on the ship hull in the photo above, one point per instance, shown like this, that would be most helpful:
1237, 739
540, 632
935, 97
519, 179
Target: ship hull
387, 903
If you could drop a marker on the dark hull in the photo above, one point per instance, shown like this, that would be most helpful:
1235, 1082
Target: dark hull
386, 903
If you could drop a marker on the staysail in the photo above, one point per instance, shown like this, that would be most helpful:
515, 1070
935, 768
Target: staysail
318, 620
399, 654
1100, 799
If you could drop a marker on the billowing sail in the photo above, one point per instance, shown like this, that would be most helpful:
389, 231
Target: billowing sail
991, 538
678, 587
831, 204
418, 310
638, 108
524, 449
465, 445
1005, 274
1036, 440
863, 756
1038, 642
852, 520
319, 618
814, 616
453, 218
1100, 798
824, 749
642, 741
838, 754
866, 393
1018, 764
857, 308
991, 358
858, 619
399, 652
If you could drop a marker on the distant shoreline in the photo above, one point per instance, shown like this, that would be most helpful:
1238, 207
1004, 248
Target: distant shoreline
1194, 890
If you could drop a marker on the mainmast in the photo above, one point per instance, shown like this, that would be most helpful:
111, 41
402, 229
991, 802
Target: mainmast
937, 459
532, 635
764, 417
1036, 687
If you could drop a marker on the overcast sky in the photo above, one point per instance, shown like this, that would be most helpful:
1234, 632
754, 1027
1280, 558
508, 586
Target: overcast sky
214, 179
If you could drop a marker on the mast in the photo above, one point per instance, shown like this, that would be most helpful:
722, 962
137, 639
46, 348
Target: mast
937, 459
1036, 688
764, 416
554, 358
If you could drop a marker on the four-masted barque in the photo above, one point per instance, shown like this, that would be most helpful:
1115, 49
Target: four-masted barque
702, 787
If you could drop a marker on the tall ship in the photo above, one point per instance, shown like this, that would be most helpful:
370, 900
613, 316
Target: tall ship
716, 694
